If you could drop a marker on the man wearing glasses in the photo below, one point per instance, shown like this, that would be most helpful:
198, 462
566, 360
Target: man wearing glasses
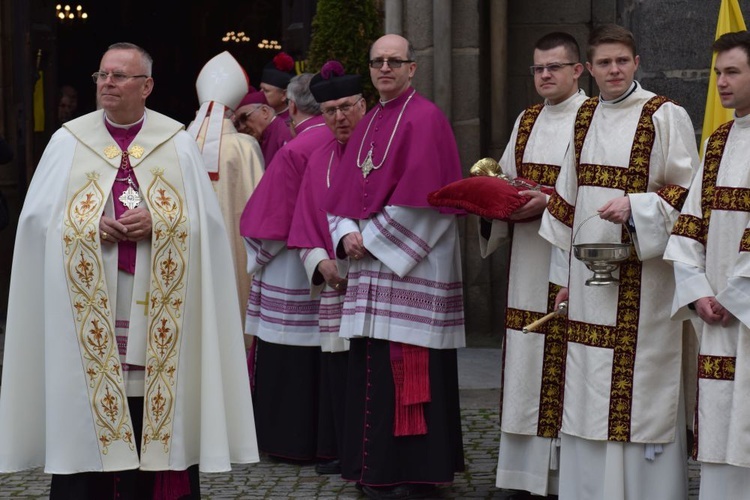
280, 312
255, 117
124, 366
342, 104
403, 309
533, 363
624, 180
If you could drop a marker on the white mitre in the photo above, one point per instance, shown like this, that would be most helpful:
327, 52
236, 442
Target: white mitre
221, 85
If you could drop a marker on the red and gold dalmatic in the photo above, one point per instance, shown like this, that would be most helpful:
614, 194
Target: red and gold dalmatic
533, 363
712, 237
623, 363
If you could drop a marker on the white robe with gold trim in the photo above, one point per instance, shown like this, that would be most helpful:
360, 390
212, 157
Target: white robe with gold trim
528, 291
720, 268
623, 366
63, 404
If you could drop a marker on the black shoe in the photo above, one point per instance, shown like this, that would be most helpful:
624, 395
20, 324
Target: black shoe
399, 492
330, 467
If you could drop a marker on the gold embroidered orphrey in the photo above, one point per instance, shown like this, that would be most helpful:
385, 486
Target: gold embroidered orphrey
623, 337
93, 314
169, 249
93, 317
691, 226
555, 349
550, 402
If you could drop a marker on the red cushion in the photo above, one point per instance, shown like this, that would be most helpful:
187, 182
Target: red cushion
488, 197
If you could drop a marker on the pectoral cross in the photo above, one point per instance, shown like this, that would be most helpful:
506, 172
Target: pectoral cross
368, 165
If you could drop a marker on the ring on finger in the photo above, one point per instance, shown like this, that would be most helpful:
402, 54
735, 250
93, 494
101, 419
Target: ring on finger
104, 235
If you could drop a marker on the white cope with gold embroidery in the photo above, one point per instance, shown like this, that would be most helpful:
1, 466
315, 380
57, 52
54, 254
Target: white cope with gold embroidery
62, 403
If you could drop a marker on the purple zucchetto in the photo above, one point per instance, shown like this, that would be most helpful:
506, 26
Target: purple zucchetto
333, 83
252, 97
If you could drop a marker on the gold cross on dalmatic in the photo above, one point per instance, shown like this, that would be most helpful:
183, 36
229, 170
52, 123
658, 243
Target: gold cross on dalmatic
144, 303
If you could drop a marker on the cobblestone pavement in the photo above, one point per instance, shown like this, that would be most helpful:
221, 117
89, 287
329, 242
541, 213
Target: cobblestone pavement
270, 480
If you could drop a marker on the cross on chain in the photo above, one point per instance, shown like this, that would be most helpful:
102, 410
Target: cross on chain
131, 198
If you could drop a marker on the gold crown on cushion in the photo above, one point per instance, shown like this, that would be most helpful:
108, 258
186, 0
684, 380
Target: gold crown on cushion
222, 80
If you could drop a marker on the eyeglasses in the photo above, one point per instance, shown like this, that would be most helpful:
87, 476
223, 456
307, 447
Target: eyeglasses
392, 63
344, 108
552, 68
101, 76
242, 117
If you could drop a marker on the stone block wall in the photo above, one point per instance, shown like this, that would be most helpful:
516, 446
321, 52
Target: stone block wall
673, 36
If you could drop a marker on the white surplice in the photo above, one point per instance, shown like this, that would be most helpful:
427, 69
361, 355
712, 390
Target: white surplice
529, 451
409, 288
63, 403
280, 309
715, 261
623, 363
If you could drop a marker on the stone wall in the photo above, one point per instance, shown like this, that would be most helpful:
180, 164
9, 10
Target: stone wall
674, 39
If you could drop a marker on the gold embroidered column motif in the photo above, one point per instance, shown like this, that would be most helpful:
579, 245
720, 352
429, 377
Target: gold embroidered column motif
540, 173
555, 350
694, 227
93, 316
623, 337
169, 247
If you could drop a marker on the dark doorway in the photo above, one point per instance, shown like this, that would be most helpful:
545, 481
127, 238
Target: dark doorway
181, 36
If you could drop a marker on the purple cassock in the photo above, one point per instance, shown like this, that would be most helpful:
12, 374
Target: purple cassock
273, 138
403, 308
280, 312
309, 232
284, 115
310, 225
422, 158
268, 213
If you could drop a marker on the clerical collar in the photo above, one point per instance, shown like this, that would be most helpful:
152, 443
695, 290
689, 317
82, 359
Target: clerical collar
742, 121
403, 96
117, 125
283, 111
567, 101
633, 88
299, 124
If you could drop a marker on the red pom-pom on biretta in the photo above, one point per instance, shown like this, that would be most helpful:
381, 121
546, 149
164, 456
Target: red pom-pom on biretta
283, 62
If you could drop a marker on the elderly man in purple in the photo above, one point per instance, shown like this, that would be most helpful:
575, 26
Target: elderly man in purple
280, 312
340, 98
255, 117
403, 309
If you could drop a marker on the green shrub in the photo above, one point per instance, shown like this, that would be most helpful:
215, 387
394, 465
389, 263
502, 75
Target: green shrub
344, 30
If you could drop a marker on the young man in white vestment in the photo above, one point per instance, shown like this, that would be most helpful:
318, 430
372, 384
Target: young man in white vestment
534, 363
124, 366
624, 179
710, 250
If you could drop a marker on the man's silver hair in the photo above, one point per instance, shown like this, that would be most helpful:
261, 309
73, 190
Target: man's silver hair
298, 91
148, 61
